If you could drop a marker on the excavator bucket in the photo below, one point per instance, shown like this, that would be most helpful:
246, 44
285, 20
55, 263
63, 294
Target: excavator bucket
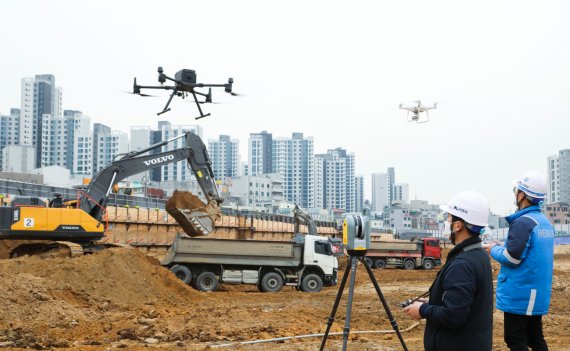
194, 216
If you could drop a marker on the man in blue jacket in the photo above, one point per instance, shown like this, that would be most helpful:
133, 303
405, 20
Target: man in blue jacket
525, 280
459, 314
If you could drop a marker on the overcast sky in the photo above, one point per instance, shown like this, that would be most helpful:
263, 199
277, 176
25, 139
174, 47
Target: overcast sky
336, 71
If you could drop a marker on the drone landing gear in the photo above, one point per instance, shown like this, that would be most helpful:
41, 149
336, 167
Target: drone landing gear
202, 115
352, 272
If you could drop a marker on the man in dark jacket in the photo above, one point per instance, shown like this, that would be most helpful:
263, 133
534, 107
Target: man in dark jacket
459, 314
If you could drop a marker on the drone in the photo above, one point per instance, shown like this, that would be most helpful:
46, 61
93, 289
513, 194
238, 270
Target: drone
416, 109
184, 84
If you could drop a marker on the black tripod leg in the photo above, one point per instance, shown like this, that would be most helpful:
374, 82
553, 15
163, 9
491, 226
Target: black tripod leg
335, 307
346, 330
385, 304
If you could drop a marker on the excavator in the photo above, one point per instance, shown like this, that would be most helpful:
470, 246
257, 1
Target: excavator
75, 228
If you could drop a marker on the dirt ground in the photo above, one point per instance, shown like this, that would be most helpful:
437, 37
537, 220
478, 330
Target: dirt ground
119, 298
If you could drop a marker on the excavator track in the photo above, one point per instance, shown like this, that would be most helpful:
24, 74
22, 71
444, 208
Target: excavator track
48, 250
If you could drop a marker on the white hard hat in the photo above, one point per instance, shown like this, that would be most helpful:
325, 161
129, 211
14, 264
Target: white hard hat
532, 183
470, 206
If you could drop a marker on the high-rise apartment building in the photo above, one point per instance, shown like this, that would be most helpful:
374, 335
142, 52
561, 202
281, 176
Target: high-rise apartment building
383, 189
359, 193
140, 138
39, 96
107, 144
260, 153
553, 176
178, 171
83, 155
564, 167
9, 129
293, 159
18, 158
334, 182
391, 182
58, 137
76, 124
225, 157
380, 191
401, 193
558, 173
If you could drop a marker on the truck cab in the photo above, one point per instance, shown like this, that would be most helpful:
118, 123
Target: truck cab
431, 248
319, 254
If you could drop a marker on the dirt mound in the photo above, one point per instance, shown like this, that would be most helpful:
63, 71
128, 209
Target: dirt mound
46, 303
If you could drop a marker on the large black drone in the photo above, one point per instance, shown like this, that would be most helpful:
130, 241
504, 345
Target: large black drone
184, 84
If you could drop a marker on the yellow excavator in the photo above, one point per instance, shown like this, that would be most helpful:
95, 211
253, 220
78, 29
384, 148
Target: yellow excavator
75, 228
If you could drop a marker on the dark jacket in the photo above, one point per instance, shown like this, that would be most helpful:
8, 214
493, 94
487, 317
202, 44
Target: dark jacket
459, 314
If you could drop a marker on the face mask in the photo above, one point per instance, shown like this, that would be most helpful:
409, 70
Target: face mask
452, 235
517, 202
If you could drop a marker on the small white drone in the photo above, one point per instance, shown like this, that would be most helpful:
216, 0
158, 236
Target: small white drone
416, 108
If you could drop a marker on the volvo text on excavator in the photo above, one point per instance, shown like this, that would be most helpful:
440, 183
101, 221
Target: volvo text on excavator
76, 229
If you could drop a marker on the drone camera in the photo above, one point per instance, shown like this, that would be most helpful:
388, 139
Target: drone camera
187, 76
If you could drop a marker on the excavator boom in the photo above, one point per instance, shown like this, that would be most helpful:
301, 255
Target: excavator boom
195, 217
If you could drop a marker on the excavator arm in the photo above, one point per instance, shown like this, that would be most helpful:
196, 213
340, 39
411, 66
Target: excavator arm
301, 218
195, 217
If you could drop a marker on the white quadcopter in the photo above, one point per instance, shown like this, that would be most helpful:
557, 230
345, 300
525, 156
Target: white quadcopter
416, 108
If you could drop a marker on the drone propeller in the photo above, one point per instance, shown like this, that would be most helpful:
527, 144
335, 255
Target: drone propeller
141, 94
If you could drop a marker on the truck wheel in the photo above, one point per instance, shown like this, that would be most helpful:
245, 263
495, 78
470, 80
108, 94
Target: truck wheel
370, 262
409, 264
182, 272
380, 264
207, 281
428, 264
312, 283
271, 282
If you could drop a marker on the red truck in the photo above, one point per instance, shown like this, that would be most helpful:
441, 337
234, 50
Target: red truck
424, 252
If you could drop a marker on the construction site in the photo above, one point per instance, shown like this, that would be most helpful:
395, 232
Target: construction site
123, 298
80, 271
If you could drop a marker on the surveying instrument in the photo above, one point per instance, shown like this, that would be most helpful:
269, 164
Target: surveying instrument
356, 239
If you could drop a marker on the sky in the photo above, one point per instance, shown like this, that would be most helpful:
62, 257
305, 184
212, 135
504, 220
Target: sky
333, 70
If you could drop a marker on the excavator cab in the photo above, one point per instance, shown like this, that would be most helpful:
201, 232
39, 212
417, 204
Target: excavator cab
56, 201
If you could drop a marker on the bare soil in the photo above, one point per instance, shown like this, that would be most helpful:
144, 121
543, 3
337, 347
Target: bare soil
119, 298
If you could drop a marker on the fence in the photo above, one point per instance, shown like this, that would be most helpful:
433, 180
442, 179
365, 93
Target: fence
15, 188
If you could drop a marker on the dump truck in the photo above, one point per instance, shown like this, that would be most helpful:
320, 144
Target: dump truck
424, 252
306, 263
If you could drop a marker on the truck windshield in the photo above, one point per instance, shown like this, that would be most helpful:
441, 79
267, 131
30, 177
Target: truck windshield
323, 248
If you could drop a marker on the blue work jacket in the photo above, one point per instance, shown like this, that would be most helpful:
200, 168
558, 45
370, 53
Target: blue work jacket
527, 260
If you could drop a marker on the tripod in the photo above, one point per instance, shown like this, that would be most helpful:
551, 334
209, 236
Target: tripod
354, 257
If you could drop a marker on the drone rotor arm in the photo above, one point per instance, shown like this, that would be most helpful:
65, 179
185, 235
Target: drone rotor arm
163, 87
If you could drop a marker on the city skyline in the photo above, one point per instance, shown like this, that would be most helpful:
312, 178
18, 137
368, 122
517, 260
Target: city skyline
500, 86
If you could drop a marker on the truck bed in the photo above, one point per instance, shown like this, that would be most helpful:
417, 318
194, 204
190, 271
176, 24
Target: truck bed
387, 246
234, 252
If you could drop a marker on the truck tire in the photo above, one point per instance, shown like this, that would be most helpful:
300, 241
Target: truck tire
271, 282
369, 261
428, 264
379, 264
207, 281
312, 283
409, 264
182, 272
